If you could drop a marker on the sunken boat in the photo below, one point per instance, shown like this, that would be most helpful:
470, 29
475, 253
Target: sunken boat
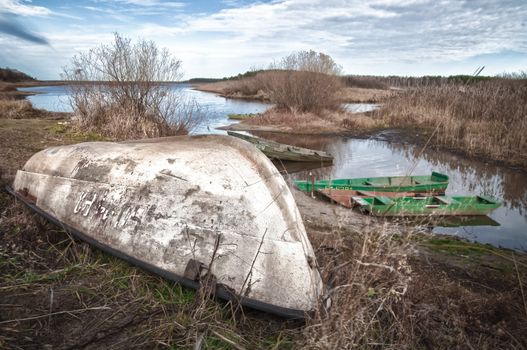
185, 208
281, 151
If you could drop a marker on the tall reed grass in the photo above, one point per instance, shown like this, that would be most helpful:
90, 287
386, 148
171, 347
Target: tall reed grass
486, 118
17, 109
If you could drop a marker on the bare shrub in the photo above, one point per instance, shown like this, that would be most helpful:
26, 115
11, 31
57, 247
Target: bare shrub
121, 90
305, 81
302, 91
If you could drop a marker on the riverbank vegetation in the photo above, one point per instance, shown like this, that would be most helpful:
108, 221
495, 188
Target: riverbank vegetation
485, 118
477, 116
133, 103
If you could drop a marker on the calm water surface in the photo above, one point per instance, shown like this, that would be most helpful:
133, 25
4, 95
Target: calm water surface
506, 226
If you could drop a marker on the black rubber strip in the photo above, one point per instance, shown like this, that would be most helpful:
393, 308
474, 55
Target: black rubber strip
221, 292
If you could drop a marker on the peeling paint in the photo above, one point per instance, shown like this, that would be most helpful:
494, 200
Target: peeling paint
166, 201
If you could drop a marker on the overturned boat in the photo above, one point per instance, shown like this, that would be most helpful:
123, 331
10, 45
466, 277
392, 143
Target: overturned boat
184, 208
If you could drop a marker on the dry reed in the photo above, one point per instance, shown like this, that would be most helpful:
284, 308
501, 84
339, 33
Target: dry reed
16, 109
486, 118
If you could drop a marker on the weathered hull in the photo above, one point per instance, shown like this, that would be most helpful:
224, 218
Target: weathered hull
183, 207
427, 206
344, 197
435, 183
275, 150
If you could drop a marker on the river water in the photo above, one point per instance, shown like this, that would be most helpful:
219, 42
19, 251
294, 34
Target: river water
505, 227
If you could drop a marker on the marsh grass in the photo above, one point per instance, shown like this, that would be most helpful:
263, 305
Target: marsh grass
486, 118
17, 109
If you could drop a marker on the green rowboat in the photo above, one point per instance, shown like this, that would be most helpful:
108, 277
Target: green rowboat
434, 183
425, 206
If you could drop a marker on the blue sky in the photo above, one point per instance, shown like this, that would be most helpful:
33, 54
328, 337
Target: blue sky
223, 38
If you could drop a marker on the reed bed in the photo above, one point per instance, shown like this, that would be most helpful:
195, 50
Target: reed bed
16, 109
487, 118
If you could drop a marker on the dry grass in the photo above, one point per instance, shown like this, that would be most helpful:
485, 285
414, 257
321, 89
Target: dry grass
297, 91
326, 121
487, 118
362, 95
17, 109
369, 275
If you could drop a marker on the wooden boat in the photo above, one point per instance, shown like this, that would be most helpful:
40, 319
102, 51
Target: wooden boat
447, 221
344, 197
434, 183
275, 150
184, 208
425, 206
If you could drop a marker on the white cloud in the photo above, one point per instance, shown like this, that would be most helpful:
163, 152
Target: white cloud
21, 8
150, 3
363, 36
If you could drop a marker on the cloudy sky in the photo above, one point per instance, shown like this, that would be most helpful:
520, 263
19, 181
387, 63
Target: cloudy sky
222, 38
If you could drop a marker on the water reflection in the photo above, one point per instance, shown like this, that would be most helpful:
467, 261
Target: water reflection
369, 158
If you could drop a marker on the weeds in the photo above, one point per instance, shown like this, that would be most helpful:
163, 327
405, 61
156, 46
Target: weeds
486, 118
17, 109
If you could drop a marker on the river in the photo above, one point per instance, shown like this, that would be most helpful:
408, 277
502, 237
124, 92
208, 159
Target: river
505, 227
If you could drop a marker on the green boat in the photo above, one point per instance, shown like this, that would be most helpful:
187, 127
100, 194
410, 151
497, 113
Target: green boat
425, 206
434, 183
275, 150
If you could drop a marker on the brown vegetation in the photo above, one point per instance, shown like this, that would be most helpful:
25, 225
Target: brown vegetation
298, 91
486, 118
304, 81
131, 98
280, 120
17, 109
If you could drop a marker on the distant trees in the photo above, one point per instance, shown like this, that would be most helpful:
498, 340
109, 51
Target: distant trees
121, 90
13, 76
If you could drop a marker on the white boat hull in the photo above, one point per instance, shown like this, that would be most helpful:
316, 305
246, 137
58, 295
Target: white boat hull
183, 207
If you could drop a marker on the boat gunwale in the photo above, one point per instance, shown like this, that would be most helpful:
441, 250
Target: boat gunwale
454, 207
